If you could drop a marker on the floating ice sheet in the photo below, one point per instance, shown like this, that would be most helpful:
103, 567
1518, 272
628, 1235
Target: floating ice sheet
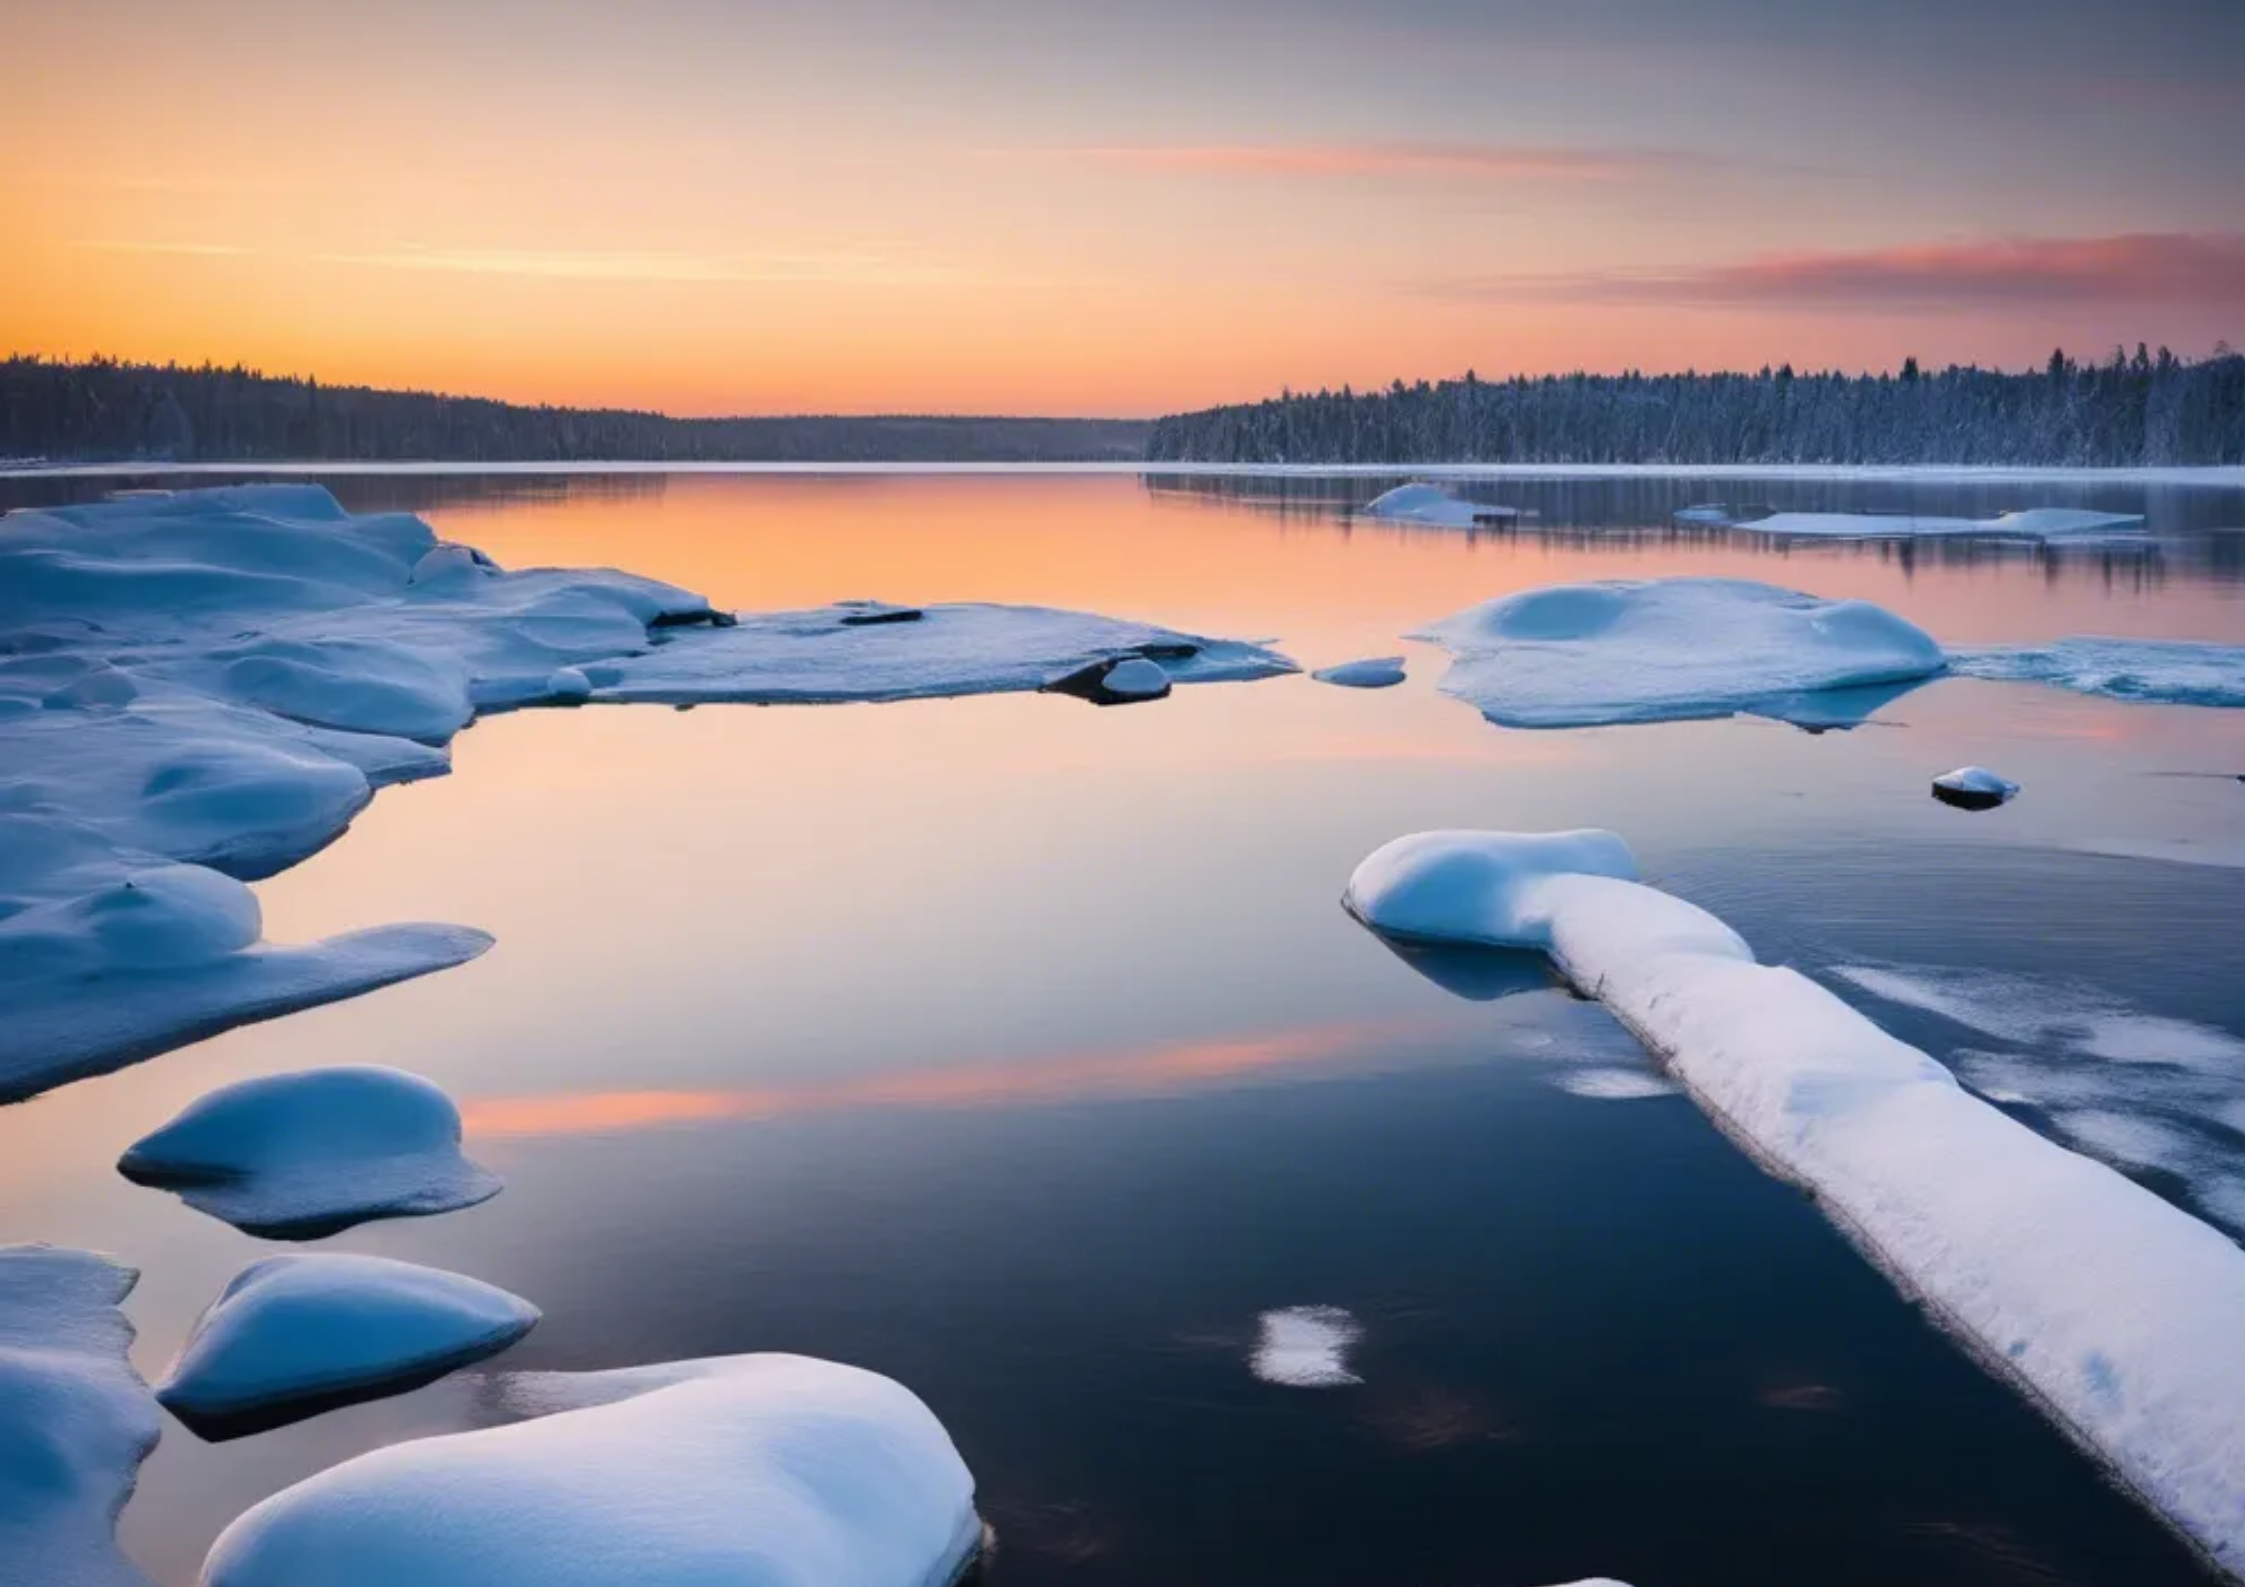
2033, 523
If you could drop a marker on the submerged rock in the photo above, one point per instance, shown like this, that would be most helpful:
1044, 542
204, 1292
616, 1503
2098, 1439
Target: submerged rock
1375, 672
293, 1336
301, 1156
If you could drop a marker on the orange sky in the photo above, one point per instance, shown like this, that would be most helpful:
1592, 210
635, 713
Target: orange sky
711, 207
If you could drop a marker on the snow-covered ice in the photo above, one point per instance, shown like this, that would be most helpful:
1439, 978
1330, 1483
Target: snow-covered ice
1374, 672
201, 688
2033, 523
1431, 504
1305, 1347
2118, 1312
754, 1471
1974, 788
1576, 655
295, 1335
75, 1419
831, 655
300, 1156
2159, 671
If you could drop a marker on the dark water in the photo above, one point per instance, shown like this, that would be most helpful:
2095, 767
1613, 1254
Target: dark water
1020, 1049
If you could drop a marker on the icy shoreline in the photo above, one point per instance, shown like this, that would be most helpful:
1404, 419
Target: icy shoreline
2114, 1311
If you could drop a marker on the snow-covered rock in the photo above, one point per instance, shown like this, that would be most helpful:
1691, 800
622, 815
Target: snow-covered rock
1431, 504
2118, 1312
295, 1335
1374, 672
75, 1419
1126, 682
299, 1156
836, 654
2160, 671
754, 1471
1974, 788
1306, 1347
1574, 655
2034, 523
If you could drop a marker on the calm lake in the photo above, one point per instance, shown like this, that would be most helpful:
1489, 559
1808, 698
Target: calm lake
1021, 1050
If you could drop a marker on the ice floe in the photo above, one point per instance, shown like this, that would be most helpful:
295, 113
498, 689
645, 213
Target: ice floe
757, 1471
833, 655
295, 1335
75, 1419
2115, 1310
2034, 523
1974, 788
300, 1156
1305, 1347
1612, 1085
1575, 655
1431, 504
2159, 671
1374, 672
201, 688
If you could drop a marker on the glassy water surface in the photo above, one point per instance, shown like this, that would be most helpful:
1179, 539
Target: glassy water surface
1020, 1049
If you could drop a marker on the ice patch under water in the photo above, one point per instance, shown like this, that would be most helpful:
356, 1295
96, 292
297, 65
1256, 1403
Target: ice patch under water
1374, 672
2157, 671
1612, 1085
2117, 1310
1306, 1347
1579, 655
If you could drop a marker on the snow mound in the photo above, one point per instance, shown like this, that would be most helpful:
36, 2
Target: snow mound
1476, 888
1431, 504
300, 1156
2159, 671
1577, 655
2034, 523
835, 654
201, 688
1374, 672
1306, 1347
75, 1419
292, 1336
1974, 788
756, 1471
2118, 1312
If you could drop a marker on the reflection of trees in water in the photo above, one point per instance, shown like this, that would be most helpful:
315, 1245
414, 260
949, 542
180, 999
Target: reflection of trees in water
359, 492
2193, 532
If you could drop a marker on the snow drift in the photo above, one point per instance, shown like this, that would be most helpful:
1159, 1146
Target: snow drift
300, 1156
1576, 655
295, 1335
758, 1471
2117, 1312
200, 689
75, 1419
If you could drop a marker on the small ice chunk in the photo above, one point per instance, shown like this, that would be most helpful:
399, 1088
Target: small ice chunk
1431, 504
1613, 1085
1974, 788
292, 1336
1650, 650
1374, 672
301, 1156
75, 1419
1306, 1347
757, 1471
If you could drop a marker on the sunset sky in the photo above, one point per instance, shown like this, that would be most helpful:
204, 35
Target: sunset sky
1109, 206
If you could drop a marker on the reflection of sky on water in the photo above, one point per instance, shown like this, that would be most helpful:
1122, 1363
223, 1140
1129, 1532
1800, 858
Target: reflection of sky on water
1022, 1049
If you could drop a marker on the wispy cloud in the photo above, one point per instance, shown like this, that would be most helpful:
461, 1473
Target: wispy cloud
2197, 269
1491, 162
197, 250
867, 269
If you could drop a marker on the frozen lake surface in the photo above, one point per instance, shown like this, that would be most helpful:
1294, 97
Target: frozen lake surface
1020, 1050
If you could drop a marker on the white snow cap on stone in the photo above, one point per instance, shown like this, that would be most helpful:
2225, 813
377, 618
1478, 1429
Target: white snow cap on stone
292, 1334
754, 1471
297, 1156
2117, 1310
1645, 650
75, 1419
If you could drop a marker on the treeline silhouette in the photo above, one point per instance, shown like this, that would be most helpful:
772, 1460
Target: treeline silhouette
103, 409
2144, 410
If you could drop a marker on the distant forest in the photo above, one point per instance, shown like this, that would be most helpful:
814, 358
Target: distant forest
104, 410
2149, 409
